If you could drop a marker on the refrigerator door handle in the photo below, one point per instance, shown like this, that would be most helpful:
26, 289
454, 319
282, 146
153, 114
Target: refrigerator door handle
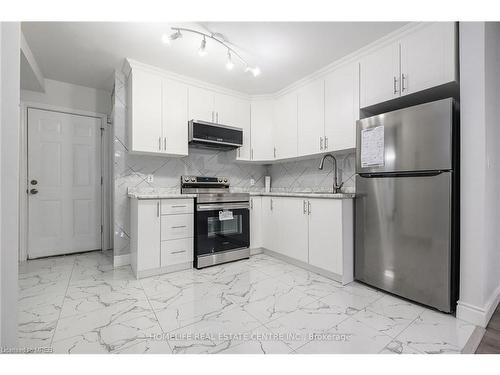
402, 174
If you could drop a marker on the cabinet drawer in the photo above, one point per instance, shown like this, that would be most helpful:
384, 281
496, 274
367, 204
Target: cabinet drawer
174, 227
177, 206
176, 251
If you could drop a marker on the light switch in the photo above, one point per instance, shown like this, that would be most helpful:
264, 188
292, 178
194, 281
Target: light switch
252, 182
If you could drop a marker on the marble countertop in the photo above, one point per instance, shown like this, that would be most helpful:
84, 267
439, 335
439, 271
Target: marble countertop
167, 193
306, 195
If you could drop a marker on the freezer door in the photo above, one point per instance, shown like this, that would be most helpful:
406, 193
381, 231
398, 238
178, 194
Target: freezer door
417, 138
403, 236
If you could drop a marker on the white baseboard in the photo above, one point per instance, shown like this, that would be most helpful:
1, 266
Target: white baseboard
121, 260
477, 315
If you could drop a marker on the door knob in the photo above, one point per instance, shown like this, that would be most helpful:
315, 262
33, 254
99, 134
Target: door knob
33, 182
33, 191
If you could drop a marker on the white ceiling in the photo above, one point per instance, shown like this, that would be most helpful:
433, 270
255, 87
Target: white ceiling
86, 53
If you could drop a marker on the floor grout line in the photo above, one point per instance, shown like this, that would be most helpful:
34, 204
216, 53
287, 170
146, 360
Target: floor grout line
63, 300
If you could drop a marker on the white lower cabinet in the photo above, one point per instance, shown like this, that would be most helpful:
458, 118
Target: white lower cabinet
162, 233
255, 222
317, 232
290, 228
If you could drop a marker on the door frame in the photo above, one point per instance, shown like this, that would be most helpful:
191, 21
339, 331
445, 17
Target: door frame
106, 172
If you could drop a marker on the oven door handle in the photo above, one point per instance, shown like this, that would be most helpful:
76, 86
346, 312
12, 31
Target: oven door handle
218, 206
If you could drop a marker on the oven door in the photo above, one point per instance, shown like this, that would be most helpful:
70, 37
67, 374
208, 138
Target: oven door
221, 227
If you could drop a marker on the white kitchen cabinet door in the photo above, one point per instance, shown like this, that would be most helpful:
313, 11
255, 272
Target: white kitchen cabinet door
268, 224
148, 234
311, 118
144, 111
234, 111
341, 107
174, 117
255, 222
262, 129
201, 104
291, 228
428, 57
285, 126
325, 234
242, 120
379, 76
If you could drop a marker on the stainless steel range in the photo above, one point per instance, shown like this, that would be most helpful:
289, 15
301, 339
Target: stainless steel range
222, 220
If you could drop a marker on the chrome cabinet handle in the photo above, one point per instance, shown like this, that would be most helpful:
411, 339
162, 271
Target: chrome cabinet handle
251, 204
217, 117
251, 153
178, 252
271, 204
158, 208
159, 143
395, 85
275, 152
326, 142
165, 143
321, 143
178, 205
309, 207
179, 226
304, 207
403, 79
213, 116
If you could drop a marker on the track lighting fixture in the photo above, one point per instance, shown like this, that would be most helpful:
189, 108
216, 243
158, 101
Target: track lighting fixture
202, 51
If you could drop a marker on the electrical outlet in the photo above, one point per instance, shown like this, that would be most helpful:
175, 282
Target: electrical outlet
150, 178
252, 182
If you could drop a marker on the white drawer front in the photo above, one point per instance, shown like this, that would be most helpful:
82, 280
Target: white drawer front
177, 206
174, 227
176, 252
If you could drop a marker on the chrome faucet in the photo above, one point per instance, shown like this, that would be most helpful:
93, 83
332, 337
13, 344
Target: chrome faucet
336, 185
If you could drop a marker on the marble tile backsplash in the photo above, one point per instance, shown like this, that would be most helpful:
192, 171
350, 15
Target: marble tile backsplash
131, 171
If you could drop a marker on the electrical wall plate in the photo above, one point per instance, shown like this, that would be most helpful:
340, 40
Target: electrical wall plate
150, 178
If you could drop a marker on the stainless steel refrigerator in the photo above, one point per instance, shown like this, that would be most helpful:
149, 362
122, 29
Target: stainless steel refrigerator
406, 207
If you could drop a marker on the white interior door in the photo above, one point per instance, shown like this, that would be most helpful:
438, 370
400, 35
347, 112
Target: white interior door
64, 183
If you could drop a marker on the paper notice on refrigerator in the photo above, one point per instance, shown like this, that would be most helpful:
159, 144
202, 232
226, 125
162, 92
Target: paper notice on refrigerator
372, 147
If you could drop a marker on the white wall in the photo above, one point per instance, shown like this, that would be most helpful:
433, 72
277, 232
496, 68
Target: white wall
480, 171
9, 179
67, 95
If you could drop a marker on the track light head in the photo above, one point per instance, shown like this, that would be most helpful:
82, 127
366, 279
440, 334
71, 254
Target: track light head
176, 35
229, 63
203, 47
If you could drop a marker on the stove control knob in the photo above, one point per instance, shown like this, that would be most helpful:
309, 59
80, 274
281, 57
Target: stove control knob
186, 179
225, 179
219, 179
193, 179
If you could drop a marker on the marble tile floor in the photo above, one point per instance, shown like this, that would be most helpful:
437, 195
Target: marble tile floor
80, 304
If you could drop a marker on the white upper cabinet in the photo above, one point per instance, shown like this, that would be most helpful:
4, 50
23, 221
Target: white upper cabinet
174, 117
144, 98
424, 58
157, 114
285, 126
379, 74
341, 108
311, 117
428, 57
262, 143
235, 111
201, 104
